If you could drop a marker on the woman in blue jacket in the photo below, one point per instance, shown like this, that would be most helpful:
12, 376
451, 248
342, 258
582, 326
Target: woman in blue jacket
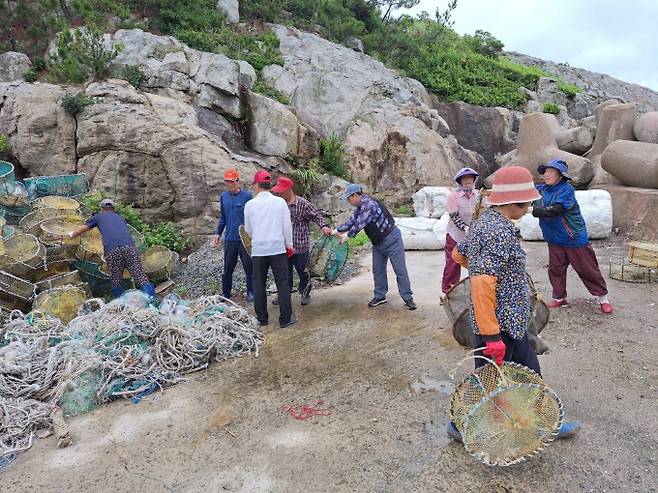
565, 232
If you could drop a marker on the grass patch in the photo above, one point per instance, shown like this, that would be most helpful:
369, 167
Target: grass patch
551, 108
261, 87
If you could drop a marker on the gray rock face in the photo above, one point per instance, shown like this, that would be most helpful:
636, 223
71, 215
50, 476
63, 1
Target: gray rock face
273, 128
547, 90
231, 9
393, 142
356, 44
599, 86
487, 131
13, 65
41, 133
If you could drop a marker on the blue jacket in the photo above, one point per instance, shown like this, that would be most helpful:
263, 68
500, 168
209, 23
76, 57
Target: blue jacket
232, 213
568, 229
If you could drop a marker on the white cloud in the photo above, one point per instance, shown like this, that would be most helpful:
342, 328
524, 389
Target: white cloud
608, 36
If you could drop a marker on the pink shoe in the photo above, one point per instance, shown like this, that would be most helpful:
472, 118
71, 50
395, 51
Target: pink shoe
557, 303
606, 308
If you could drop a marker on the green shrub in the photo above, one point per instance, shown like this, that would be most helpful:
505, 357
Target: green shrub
261, 87
39, 64
164, 234
82, 54
403, 210
569, 89
306, 179
360, 240
552, 108
75, 103
331, 156
133, 74
4, 143
30, 75
485, 43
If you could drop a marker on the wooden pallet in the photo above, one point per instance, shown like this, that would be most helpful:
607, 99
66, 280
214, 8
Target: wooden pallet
643, 253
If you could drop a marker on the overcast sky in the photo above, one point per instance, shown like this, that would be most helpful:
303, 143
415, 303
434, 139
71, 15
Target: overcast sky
618, 38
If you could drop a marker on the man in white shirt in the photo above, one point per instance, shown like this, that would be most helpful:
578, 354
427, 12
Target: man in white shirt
267, 222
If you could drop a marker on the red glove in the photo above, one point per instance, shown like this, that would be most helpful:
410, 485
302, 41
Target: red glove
495, 349
290, 251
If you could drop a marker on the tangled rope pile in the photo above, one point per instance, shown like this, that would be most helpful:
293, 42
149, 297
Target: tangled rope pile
125, 348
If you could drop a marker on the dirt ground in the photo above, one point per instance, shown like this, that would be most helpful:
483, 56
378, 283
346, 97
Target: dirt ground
227, 429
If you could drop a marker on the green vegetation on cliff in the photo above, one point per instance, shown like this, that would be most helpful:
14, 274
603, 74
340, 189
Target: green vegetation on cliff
453, 67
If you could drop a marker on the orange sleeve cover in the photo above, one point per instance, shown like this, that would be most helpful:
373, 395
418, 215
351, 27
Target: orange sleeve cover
459, 258
483, 294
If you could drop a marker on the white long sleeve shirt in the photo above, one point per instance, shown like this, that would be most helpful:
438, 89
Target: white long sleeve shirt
267, 222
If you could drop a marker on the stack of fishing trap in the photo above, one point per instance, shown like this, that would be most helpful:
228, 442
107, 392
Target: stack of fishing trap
641, 265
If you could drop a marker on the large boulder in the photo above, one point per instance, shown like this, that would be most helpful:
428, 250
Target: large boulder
41, 133
431, 201
635, 164
421, 233
13, 66
150, 151
231, 9
596, 207
273, 128
487, 131
615, 122
645, 128
634, 211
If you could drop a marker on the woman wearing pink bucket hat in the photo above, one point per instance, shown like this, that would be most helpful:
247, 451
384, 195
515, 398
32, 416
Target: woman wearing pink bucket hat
500, 307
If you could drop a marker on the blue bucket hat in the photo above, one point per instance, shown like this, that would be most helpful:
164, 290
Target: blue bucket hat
350, 190
557, 164
466, 172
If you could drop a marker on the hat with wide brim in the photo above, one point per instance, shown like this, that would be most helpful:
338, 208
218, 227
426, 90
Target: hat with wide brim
557, 164
512, 185
466, 172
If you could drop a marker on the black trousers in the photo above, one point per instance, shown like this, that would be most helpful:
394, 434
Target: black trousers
298, 262
516, 350
279, 265
233, 250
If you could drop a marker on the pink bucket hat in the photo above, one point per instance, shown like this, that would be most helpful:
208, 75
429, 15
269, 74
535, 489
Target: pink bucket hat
512, 185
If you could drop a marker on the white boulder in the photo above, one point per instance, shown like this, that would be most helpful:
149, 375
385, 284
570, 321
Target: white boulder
431, 201
596, 207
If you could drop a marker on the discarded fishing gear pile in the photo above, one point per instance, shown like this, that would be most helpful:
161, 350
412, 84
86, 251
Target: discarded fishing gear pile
126, 348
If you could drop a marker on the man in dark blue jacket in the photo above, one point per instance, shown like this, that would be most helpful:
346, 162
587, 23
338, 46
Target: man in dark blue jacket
231, 217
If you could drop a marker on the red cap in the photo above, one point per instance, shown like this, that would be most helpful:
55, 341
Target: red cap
262, 176
511, 185
282, 184
231, 175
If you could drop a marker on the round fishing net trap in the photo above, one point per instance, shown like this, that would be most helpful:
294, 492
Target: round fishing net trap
15, 292
63, 185
245, 238
13, 215
56, 202
6, 171
12, 194
327, 259
512, 424
622, 269
91, 247
23, 254
8, 232
505, 414
158, 262
55, 232
59, 280
62, 302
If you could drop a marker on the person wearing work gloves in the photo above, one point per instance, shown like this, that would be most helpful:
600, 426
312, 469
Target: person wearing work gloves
460, 206
492, 253
302, 212
267, 222
378, 223
232, 202
120, 252
565, 231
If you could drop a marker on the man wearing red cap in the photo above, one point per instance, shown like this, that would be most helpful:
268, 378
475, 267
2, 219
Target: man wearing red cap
302, 212
267, 222
492, 253
232, 203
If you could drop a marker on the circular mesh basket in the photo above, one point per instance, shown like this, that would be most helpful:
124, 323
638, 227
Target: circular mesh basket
53, 269
158, 262
91, 247
481, 383
62, 302
8, 232
24, 249
13, 215
55, 232
6, 171
12, 194
56, 202
245, 239
16, 287
512, 423
72, 277
327, 259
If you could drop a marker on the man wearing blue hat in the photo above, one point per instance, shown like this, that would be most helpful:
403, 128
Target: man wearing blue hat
378, 223
565, 231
